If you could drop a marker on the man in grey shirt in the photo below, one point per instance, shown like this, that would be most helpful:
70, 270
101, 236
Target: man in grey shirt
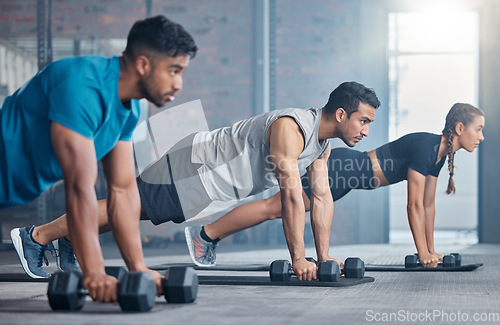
249, 157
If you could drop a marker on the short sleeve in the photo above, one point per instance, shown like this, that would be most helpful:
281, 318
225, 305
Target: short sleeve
437, 169
129, 127
421, 158
77, 107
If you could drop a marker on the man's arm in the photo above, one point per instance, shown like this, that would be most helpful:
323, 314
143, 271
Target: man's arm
416, 217
76, 156
123, 207
321, 205
286, 144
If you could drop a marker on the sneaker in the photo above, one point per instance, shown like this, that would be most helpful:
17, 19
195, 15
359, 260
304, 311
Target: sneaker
202, 252
66, 259
30, 253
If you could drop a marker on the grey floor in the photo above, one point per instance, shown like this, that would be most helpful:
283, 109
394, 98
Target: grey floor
394, 298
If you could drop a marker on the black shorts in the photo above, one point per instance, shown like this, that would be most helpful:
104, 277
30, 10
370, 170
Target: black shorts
160, 202
348, 169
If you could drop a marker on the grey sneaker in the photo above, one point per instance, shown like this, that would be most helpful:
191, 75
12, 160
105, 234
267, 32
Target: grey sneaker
30, 253
66, 259
202, 252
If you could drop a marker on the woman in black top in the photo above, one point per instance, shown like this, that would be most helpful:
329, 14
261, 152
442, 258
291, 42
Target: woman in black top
416, 157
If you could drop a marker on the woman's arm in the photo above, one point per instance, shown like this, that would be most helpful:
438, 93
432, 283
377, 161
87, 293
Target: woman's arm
416, 217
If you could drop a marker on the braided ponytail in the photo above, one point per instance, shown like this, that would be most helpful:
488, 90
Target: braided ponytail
451, 166
459, 113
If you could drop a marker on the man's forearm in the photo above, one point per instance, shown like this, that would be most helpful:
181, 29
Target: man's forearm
83, 227
293, 216
123, 211
321, 223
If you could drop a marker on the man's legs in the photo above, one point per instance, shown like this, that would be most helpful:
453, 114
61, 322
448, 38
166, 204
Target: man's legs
32, 242
58, 228
202, 240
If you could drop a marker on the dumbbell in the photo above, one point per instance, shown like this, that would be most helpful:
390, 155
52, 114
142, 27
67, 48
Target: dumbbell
115, 271
180, 284
412, 261
458, 259
136, 291
354, 267
328, 271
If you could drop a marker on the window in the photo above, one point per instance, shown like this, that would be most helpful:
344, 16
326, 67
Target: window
434, 63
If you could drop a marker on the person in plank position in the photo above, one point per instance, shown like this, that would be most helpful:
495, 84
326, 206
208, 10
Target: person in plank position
416, 157
247, 158
72, 114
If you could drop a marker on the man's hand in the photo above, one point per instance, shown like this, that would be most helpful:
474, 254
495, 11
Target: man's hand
101, 287
339, 262
305, 270
158, 281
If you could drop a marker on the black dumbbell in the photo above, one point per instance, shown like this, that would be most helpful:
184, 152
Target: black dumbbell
136, 291
458, 259
354, 268
115, 271
312, 260
180, 285
328, 271
281, 271
412, 261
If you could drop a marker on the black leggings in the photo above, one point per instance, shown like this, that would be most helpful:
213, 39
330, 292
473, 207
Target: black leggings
348, 169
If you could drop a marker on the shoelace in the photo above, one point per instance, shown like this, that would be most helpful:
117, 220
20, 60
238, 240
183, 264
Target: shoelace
42, 257
210, 253
57, 253
71, 256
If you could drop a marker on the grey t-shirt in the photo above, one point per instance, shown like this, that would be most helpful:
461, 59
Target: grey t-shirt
232, 163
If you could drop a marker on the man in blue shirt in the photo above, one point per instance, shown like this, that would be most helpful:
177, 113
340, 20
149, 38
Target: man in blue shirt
74, 113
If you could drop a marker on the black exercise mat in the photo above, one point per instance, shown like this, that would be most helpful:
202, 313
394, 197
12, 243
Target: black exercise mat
265, 281
19, 277
218, 267
368, 267
401, 268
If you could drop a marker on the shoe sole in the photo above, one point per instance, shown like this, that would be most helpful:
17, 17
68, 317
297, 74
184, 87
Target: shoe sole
189, 242
15, 236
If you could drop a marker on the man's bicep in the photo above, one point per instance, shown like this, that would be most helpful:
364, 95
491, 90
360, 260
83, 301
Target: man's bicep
118, 165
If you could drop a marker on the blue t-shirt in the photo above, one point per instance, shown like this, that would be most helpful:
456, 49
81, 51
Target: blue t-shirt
80, 93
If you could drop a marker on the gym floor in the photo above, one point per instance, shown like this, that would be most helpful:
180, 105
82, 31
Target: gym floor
393, 298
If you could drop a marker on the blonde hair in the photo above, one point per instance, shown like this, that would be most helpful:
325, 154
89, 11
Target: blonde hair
459, 113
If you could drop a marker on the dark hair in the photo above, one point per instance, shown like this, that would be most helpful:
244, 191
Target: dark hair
159, 35
348, 95
459, 113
